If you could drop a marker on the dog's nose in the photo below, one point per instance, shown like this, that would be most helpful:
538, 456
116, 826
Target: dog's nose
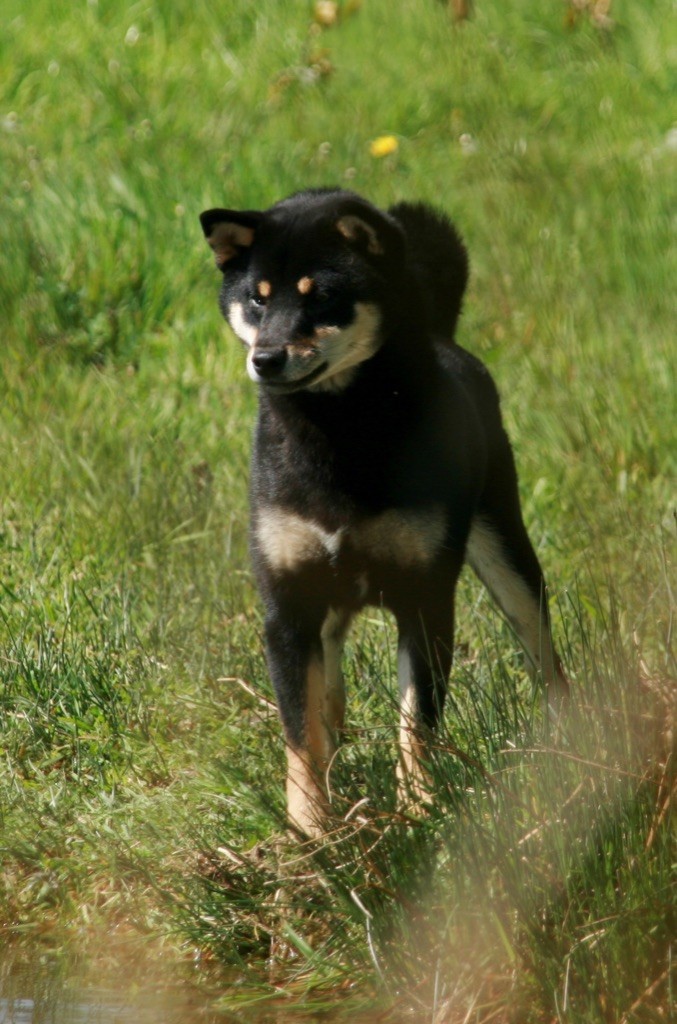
269, 362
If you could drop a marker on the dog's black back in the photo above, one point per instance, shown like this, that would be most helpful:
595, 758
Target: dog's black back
380, 460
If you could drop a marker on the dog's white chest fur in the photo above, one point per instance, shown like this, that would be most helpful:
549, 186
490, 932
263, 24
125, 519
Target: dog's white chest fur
406, 537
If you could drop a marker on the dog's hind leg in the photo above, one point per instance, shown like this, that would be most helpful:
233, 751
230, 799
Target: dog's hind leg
501, 554
304, 662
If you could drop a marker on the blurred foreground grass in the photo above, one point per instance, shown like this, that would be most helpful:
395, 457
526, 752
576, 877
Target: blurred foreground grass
140, 779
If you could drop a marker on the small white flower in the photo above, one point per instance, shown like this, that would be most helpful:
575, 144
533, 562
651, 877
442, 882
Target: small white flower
671, 140
467, 143
53, 68
132, 36
308, 75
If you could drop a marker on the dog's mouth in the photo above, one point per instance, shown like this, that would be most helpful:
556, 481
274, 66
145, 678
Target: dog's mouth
286, 387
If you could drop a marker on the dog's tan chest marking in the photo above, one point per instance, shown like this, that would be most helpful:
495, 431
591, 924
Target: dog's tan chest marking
407, 538
287, 540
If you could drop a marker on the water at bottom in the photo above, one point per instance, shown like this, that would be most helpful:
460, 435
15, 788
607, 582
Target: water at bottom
42, 985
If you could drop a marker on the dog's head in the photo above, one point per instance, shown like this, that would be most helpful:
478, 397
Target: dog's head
304, 285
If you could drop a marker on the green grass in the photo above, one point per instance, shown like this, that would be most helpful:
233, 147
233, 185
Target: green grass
140, 781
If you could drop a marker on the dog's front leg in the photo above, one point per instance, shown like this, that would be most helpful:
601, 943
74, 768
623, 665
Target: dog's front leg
423, 664
311, 709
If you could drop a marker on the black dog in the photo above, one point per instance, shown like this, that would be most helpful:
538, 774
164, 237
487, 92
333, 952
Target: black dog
380, 461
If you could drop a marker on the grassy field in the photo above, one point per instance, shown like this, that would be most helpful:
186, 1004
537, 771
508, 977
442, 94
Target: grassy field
141, 766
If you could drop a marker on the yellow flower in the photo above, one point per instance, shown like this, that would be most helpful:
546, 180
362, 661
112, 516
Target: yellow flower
384, 145
326, 12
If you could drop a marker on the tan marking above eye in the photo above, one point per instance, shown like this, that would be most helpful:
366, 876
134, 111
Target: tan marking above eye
305, 285
264, 289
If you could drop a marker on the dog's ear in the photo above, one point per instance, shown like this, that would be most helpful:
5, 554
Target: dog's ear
229, 232
369, 229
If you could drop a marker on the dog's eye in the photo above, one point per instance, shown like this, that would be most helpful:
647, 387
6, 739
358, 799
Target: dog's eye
257, 301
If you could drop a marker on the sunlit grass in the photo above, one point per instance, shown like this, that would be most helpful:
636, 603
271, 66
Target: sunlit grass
140, 762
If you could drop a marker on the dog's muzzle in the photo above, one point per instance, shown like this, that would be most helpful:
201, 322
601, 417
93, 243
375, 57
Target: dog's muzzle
269, 363
277, 371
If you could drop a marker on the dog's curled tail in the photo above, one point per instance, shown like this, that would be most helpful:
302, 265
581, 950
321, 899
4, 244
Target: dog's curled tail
439, 261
